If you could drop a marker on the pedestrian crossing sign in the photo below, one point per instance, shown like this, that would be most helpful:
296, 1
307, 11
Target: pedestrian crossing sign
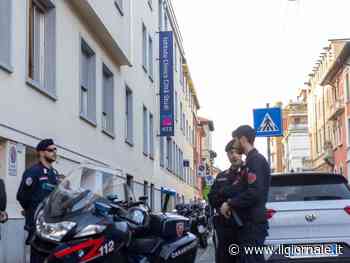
268, 122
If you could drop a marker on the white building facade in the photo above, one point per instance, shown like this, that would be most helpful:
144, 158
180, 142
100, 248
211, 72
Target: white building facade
296, 147
85, 73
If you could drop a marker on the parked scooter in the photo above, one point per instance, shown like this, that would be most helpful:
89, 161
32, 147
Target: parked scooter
84, 220
199, 221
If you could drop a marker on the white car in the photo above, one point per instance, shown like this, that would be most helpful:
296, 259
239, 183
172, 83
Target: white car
309, 218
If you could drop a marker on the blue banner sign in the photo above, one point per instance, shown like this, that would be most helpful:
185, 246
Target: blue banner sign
166, 83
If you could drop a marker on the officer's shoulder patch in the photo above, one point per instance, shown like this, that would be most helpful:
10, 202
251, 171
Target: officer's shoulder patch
251, 177
29, 181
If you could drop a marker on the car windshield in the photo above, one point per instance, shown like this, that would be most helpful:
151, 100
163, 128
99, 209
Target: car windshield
83, 186
307, 189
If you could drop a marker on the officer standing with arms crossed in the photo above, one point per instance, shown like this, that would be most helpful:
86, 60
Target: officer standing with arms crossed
35, 187
226, 229
250, 203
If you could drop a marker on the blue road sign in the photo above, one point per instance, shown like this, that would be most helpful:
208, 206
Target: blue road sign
268, 122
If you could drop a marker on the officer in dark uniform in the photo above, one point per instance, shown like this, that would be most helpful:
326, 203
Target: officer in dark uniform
250, 203
36, 185
3, 202
223, 188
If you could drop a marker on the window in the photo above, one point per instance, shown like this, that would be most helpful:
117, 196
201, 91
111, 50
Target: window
145, 131
42, 46
87, 83
161, 151
129, 116
5, 37
151, 136
119, 6
144, 47
150, 57
108, 101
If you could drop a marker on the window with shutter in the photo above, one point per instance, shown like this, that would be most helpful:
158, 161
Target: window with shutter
150, 57
87, 83
129, 116
144, 47
151, 136
108, 102
5, 36
42, 46
145, 131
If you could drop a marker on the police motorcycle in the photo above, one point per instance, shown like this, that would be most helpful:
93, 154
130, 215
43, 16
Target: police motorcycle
92, 217
198, 220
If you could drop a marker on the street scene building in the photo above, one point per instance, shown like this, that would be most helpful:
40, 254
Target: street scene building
86, 74
328, 119
290, 152
316, 126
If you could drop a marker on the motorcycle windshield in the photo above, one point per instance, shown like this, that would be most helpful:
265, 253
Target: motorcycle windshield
83, 187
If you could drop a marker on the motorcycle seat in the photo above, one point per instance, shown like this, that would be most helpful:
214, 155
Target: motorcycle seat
147, 245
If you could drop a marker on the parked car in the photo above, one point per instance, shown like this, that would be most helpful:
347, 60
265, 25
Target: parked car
309, 217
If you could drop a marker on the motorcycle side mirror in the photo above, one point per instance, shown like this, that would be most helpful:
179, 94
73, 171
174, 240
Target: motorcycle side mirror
112, 197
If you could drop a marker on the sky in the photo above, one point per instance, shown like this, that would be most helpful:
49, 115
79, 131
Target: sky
243, 54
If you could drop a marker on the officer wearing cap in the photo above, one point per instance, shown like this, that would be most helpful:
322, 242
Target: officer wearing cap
223, 188
250, 203
34, 187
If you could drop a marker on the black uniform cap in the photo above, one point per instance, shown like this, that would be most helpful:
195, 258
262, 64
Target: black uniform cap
246, 131
42, 146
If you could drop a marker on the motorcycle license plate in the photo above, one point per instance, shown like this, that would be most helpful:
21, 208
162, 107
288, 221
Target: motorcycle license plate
201, 229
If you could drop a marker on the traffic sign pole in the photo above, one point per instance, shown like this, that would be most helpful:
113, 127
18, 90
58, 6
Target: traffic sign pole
268, 144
